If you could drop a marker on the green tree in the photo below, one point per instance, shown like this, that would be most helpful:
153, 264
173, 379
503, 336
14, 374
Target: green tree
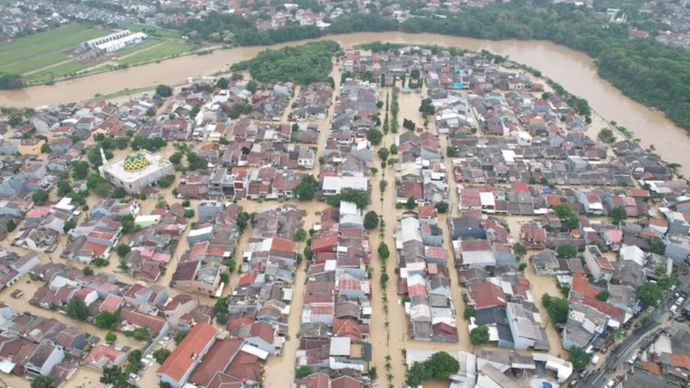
179, 336
603, 295
64, 187
383, 153
106, 320
479, 335
87, 271
222, 83
110, 337
411, 203
567, 250
243, 219
300, 234
371, 220
519, 249
39, 197
10, 225
557, 308
409, 124
160, 355
127, 222
123, 250
618, 215
77, 309
69, 225
45, 148
383, 251
657, 246
417, 374
42, 382
374, 136
358, 197
579, 358
164, 91
307, 188
252, 85
566, 214
166, 181
134, 363
441, 207
118, 193
650, 294
606, 135
302, 372
442, 365
176, 158
102, 189
116, 377
426, 107
80, 170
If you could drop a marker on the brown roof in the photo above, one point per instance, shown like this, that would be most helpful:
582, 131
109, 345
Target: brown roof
217, 359
182, 358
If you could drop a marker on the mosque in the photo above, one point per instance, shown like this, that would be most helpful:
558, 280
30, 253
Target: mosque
136, 171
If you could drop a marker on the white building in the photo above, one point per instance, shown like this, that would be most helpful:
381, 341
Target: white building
136, 171
115, 41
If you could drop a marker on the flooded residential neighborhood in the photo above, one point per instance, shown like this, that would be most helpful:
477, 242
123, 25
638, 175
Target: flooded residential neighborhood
404, 207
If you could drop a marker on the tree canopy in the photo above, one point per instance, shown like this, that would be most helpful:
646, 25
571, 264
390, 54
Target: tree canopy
557, 308
303, 64
579, 358
440, 366
479, 335
371, 220
307, 188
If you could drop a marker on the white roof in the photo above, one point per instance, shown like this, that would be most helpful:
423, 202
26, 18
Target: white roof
487, 199
334, 183
340, 346
349, 208
253, 350
508, 156
198, 232
632, 252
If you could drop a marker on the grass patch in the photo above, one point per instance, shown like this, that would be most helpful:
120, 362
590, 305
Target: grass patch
45, 48
167, 49
57, 72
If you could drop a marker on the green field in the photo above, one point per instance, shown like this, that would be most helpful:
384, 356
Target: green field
166, 49
45, 48
44, 56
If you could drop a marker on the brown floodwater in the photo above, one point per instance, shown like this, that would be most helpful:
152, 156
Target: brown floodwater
572, 69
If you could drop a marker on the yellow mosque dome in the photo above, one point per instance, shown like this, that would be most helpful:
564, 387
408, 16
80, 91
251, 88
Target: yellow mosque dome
135, 161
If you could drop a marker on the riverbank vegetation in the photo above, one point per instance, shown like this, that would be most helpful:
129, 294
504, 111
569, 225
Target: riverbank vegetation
311, 62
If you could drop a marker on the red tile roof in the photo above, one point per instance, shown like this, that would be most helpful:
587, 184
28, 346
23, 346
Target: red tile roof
181, 359
486, 295
217, 359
